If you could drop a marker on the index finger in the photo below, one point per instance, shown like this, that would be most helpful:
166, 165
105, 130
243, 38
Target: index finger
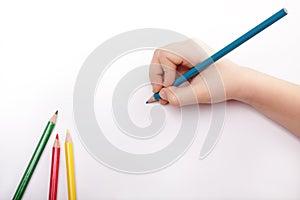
156, 73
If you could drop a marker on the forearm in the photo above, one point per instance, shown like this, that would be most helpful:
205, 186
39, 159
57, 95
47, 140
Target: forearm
277, 99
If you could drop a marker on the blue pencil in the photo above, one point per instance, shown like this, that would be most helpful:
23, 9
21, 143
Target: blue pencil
207, 62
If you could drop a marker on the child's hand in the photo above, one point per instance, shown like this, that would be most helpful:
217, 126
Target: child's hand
277, 99
172, 60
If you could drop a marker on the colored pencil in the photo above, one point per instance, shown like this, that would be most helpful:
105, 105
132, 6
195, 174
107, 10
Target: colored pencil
35, 158
54, 169
207, 62
70, 167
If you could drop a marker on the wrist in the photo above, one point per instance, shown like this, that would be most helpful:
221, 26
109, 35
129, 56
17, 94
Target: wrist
243, 89
236, 80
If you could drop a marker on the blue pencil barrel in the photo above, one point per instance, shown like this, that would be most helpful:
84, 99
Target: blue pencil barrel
207, 62
193, 72
260, 27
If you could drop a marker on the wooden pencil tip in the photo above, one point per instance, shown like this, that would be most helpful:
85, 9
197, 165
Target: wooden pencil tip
53, 118
68, 136
56, 141
56, 112
151, 100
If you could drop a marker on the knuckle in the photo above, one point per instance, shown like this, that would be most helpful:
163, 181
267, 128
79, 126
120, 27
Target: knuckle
162, 53
157, 52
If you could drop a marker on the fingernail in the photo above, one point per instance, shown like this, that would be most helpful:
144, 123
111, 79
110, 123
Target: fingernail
162, 94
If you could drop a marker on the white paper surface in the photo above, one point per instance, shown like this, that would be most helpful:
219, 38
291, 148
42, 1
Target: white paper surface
42, 47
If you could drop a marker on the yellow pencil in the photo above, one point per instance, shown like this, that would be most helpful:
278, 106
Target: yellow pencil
70, 167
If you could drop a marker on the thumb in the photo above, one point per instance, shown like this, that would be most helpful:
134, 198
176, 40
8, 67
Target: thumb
179, 96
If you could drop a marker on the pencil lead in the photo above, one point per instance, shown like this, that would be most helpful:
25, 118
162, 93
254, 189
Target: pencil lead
56, 136
56, 112
67, 131
147, 102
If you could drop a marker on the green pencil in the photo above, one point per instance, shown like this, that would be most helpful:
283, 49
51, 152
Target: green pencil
35, 158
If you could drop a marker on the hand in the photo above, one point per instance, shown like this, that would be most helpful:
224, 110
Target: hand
277, 99
216, 83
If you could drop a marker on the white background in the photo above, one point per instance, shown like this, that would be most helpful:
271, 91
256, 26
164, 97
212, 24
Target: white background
42, 47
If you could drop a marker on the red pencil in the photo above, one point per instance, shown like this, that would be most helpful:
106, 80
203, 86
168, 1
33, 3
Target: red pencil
54, 169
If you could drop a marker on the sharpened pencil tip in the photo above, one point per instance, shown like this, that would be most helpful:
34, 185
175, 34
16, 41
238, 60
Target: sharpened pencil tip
56, 112
56, 136
68, 136
151, 100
